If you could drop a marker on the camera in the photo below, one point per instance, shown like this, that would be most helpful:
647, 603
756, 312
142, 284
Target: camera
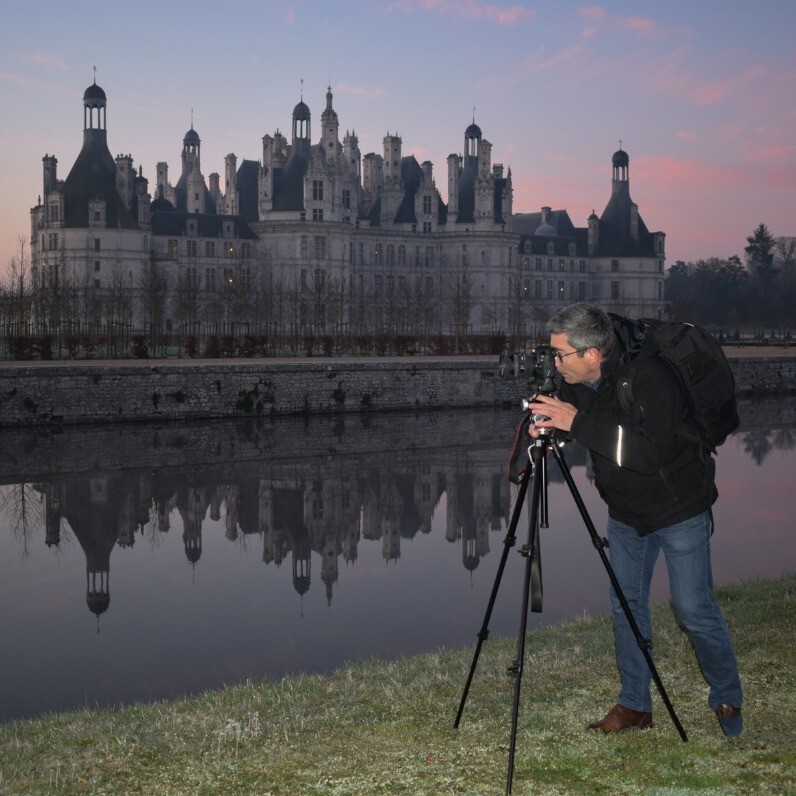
539, 366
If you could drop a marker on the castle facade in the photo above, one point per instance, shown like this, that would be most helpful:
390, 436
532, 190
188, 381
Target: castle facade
315, 236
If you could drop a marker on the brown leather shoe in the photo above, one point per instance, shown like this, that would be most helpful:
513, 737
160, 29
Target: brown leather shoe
621, 718
730, 719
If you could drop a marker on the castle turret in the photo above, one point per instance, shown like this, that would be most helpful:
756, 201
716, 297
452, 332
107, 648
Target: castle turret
330, 129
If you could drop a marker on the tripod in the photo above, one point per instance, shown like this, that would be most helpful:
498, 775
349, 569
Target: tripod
536, 472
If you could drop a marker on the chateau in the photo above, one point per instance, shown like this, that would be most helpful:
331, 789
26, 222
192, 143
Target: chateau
316, 236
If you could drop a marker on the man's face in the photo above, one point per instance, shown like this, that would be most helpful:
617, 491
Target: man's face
576, 366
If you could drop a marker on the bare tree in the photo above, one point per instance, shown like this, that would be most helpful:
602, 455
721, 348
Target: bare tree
19, 292
153, 299
461, 303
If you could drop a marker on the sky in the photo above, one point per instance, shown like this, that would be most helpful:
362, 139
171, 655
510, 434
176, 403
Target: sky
700, 94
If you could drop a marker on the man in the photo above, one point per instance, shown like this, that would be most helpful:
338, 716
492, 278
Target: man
659, 487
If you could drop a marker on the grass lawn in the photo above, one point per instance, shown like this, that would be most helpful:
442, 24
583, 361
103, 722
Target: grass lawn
387, 727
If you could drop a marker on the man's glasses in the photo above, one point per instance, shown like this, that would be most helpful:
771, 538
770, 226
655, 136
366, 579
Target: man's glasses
561, 357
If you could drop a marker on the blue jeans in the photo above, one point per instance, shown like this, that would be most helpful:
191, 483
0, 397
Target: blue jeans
686, 548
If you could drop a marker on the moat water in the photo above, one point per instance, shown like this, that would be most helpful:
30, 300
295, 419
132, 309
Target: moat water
145, 562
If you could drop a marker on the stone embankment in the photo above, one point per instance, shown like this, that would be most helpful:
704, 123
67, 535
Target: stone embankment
47, 393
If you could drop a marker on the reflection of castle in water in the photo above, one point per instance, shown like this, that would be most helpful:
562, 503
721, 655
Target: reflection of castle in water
300, 506
297, 511
302, 486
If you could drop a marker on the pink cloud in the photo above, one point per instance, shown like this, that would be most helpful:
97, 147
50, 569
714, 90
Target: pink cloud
530, 66
597, 16
670, 77
776, 153
679, 175
644, 27
593, 13
43, 58
361, 91
468, 10
686, 135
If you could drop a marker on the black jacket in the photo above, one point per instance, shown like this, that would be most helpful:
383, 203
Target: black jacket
649, 475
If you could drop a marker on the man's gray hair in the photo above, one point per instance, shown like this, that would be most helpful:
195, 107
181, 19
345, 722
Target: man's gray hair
585, 325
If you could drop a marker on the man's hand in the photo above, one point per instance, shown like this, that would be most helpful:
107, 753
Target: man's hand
560, 414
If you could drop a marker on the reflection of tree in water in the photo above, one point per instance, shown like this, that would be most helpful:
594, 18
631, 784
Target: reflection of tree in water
784, 439
758, 443
24, 508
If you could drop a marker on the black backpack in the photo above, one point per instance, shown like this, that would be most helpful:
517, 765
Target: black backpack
704, 372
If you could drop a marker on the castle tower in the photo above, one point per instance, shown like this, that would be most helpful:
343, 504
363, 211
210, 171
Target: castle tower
330, 127
352, 154
231, 200
301, 129
191, 152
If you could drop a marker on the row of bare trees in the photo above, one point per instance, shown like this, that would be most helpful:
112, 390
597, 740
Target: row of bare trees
242, 307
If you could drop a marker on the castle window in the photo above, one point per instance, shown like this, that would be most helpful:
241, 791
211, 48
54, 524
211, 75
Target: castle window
320, 247
303, 247
317, 214
191, 248
401, 256
210, 279
96, 244
390, 255
210, 248
317, 191
427, 206
615, 266
346, 198
426, 227
96, 265
173, 247
614, 290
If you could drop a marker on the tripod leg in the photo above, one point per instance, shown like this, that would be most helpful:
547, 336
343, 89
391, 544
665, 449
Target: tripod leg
529, 551
508, 543
600, 544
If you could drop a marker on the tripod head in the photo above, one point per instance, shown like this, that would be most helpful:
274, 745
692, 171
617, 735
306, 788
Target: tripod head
520, 457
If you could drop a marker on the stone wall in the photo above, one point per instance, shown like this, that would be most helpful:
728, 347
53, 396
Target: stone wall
45, 393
